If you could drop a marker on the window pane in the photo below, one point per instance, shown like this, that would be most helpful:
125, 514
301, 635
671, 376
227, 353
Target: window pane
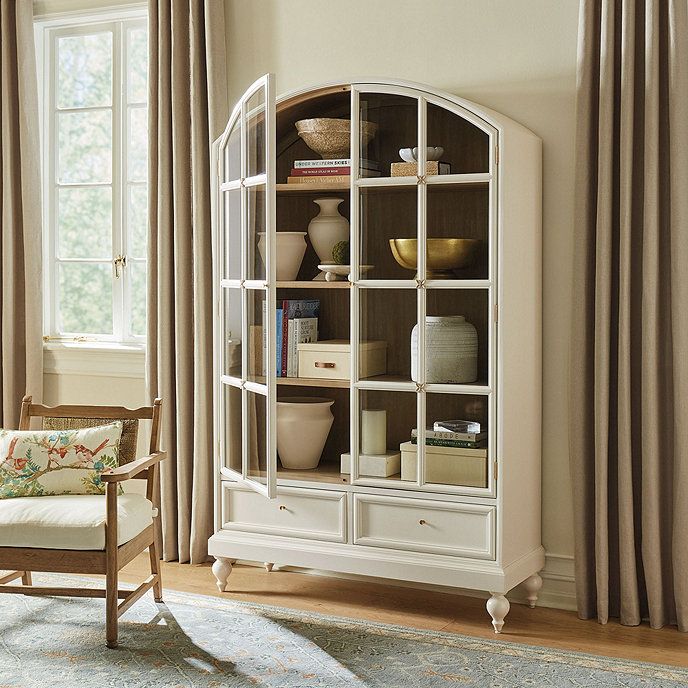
138, 65
138, 221
84, 71
137, 274
138, 144
84, 147
85, 298
85, 223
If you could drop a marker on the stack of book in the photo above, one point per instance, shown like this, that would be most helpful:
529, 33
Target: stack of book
461, 434
329, 171
296, 322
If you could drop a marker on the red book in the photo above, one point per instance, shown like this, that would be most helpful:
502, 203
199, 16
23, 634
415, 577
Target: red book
318, 171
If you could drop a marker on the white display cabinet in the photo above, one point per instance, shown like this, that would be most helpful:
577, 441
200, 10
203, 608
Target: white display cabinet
480, 533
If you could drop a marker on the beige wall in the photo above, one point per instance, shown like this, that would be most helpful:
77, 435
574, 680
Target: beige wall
516, 56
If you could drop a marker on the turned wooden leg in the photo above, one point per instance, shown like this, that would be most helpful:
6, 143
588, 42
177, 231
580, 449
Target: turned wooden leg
221, 570
268, 566
498, 607
532, 586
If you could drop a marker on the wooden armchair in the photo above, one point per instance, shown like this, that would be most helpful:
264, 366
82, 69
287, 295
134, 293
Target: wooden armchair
21, 560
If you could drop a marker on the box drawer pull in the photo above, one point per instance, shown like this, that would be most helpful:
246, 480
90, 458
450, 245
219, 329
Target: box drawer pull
422, 522
323, 364
282, 507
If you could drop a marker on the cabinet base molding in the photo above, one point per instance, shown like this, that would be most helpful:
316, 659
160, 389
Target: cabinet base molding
432, 569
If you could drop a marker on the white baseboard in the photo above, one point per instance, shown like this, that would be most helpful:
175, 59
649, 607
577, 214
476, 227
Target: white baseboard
558, 583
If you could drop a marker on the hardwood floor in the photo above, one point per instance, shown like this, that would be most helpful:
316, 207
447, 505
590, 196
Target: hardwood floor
425, 610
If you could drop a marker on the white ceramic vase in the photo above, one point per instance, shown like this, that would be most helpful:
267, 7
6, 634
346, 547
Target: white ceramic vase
326, 229
451, 350
303, 424
291, 247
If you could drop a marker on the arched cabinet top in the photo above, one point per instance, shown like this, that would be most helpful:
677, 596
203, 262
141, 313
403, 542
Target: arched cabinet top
302, 99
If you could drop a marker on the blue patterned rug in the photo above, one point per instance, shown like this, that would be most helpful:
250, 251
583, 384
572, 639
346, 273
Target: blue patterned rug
206, 642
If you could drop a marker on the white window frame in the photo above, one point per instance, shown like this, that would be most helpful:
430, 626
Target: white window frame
48, 29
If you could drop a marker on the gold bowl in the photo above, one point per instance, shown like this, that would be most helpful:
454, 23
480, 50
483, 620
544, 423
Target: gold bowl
330, 138
443, 255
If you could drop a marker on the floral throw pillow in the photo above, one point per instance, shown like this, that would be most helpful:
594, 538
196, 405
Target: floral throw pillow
53, 462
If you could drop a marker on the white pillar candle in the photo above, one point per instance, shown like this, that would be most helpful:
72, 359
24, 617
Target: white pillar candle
373, 432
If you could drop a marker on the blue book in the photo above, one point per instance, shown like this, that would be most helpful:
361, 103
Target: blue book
279, 343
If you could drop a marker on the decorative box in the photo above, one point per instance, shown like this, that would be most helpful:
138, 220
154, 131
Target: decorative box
410, 169
446, 465
381, 466
331, 359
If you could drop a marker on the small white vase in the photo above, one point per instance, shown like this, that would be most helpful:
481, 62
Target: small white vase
303, 424
451, 350
326, 229
291, 247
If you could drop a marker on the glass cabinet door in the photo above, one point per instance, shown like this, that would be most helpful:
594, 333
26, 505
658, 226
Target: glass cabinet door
423, 240
245, 291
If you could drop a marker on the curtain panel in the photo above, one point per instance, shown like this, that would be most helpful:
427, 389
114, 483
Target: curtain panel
629, 349
21, 313
187, 110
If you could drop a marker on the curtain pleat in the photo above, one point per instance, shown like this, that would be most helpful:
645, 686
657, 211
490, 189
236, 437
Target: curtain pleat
188, 108
629, 378
21, 314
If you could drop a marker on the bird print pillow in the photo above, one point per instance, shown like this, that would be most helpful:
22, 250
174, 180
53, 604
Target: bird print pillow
54, 462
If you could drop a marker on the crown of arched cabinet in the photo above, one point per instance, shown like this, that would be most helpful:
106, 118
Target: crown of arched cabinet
442, 329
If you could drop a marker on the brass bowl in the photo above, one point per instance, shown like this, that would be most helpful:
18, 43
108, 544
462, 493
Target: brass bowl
443, 255
330, 138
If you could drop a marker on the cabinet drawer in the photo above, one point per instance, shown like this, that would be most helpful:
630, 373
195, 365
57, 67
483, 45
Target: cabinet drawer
302, 513
420, 525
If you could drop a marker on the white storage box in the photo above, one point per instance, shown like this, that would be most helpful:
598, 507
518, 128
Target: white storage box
331, 359
446, 465
381, 466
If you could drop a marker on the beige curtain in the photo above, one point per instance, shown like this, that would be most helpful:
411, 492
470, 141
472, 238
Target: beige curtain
21, 316
629, 365
188, 108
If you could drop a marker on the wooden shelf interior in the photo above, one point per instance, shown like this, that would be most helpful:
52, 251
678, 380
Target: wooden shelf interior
390, 315
385, 314
338, 439
401, 419
294, 212
452, 212
290, 147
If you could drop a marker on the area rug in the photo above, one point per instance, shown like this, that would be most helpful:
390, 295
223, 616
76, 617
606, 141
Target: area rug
207, 642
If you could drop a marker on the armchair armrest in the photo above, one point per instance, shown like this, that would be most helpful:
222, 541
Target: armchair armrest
130, 470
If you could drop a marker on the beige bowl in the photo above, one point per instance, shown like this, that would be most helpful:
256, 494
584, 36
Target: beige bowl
444, 255
329, 138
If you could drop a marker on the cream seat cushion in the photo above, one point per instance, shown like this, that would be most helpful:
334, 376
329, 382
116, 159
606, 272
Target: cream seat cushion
70, 521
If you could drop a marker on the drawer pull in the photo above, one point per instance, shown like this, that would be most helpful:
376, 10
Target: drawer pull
324, 364
282, 507
422, 522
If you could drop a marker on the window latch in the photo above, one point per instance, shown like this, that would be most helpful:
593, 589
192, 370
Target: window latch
120, 263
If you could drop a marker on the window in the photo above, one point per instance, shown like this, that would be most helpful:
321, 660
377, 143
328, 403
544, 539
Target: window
95, 142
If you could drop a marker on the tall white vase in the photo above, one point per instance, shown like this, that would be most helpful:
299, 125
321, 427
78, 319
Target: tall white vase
326, 229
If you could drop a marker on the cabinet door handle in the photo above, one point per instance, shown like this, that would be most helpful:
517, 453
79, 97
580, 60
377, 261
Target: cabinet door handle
323, 364
282, 507
422, 522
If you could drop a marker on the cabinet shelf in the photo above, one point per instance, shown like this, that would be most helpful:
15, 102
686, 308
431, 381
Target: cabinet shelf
448, 182
313, 284
312, 382
311, 187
